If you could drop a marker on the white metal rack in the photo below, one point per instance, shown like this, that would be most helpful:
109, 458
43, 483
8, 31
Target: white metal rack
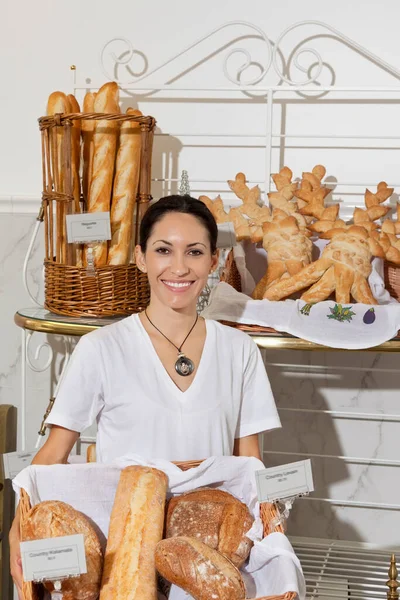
335, 569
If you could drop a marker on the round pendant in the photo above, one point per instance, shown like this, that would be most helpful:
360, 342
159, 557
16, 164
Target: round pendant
184, 366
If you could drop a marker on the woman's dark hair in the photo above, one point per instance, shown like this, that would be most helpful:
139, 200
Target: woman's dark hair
178, 204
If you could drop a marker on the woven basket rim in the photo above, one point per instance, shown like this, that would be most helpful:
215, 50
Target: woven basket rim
61, 119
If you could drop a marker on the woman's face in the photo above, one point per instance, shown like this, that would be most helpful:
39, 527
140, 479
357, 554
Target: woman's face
177, 260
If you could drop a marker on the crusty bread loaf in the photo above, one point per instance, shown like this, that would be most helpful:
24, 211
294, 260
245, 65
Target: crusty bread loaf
87, 142
126, 182
198, 569
214, 517
104, 149
54, 519
136, 526
91, 453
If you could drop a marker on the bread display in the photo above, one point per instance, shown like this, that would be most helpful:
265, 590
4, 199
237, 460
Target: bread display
213, 517
198, 569
105, 160
125, 189
53, 519
136, 526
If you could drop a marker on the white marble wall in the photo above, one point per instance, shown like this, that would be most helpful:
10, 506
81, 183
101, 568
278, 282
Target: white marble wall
359, 382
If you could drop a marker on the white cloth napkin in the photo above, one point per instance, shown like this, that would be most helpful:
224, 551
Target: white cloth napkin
273, 567
364, 327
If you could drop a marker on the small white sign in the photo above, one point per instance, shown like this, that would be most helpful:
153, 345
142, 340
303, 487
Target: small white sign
53, 558
84, 228
14, 462
226, 235
277, 483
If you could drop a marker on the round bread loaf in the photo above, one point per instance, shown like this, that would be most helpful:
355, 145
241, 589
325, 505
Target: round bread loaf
54, 519
198, 569
214, 517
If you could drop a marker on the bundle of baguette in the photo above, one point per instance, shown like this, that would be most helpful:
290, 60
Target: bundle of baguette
108, 154
295, 213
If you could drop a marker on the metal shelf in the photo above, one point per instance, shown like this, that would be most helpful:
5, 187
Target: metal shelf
334, 569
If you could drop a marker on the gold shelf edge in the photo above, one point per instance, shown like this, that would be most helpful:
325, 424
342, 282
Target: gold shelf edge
266, 342
54, 327
272, 342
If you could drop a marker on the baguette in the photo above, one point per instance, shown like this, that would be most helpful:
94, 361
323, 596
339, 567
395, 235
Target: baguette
56, 104
75, 152
87, 139
126, 183
54, 519
136, 526
104, 149
215, 518
76, 252
199, 570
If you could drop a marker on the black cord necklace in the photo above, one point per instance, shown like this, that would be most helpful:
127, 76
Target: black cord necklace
183, 365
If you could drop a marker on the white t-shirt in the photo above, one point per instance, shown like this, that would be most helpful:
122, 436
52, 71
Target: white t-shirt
116, 377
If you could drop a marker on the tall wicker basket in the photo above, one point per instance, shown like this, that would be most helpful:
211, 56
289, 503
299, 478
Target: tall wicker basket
70, 289
268, 512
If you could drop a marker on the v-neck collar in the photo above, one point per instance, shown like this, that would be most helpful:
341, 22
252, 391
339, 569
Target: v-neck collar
201, 367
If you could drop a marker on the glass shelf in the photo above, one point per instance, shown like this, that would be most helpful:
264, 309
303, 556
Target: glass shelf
40, 319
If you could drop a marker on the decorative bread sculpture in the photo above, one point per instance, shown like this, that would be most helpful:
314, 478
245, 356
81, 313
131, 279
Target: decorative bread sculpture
388, 238
216, 207
345, 263
288, 247
198, 569
248, 218
311, 194
283, 197
214, 517
54, 519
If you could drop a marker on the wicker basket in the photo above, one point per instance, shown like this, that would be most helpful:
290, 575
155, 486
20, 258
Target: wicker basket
392, 279
230, 273
69, 289
113, 290
32, 591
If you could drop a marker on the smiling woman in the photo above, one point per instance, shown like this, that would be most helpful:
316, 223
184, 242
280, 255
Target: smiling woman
164, 383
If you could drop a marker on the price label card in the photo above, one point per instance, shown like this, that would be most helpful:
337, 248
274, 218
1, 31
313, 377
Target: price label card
53, 558
88, 227
226, 235
276, 483
14, 462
